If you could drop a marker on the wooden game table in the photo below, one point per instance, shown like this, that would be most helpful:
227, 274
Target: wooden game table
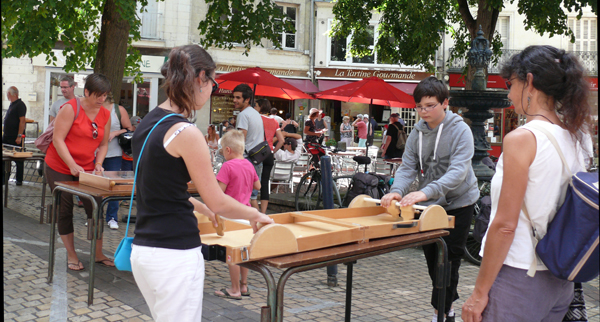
96, 228
7, 158
300, 241
348, 255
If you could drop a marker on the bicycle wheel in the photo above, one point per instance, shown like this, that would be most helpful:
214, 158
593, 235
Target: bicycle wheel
472, 248
308, 191
342, 184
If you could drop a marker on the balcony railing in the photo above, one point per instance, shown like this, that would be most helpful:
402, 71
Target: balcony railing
589, 60
152, 25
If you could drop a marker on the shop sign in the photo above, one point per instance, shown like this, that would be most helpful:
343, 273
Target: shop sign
364, 73
593, 83
275, 71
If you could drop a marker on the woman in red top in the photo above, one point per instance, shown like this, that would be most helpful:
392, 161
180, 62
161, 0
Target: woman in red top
271, 130
77, 137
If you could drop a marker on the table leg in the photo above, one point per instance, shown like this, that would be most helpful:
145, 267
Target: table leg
95, 215
55, 204
42, 206
6, 176
442, 279
348, 314
268, 314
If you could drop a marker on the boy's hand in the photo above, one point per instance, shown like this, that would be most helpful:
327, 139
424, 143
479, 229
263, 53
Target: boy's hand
387, 199
412, 198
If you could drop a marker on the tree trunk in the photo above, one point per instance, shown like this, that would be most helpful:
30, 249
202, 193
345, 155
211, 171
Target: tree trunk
112, 47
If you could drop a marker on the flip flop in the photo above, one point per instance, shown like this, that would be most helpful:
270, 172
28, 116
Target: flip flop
103, 262
247, 293
75, 266
227, 295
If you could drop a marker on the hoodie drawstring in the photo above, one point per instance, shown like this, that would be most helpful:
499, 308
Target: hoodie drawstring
437, 140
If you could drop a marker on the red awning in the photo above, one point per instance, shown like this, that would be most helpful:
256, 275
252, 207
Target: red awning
324, 85
304, 85
407, 88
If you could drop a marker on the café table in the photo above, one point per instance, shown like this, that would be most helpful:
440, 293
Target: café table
7, 159
96, 228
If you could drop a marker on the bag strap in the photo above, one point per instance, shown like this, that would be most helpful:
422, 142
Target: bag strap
552, 139
136, 170
118, 112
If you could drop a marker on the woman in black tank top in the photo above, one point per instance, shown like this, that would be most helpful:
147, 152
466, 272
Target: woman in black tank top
167, 241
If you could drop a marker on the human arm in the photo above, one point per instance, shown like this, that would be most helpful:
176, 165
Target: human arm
102, 148
518, 153
190, 146
308, 132
385, 144
291, 135
125, 121
22, 122
408, 169
222, 185
280, 140
256, 185
203, 209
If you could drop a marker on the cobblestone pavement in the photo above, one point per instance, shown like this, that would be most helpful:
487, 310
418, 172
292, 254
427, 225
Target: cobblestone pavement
390, 287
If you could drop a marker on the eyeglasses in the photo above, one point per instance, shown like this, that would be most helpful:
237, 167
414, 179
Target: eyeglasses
509, 83
95, 131
215, 85
426, 108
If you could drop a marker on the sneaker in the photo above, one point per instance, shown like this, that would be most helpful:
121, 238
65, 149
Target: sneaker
113, 224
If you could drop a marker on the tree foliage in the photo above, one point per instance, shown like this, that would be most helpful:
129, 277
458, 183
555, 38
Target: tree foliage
411, 31
94, 32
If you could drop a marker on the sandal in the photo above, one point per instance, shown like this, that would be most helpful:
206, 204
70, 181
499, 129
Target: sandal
103, 262
247, 293
75, 266
227, 295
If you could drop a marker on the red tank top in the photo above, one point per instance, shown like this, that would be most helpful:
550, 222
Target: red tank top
80, 142
271, 127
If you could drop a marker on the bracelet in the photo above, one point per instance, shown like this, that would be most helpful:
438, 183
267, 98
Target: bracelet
99, 163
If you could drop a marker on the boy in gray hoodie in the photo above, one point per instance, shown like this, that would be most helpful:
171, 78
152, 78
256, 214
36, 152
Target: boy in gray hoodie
439, 151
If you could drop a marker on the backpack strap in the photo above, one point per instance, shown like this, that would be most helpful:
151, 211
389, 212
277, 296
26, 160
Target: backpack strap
552, 139
118, 112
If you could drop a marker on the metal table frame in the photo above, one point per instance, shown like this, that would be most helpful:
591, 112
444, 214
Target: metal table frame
97, 215
275, 291
7, 169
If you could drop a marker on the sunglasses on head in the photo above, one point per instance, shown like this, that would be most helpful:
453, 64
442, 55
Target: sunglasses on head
95, 131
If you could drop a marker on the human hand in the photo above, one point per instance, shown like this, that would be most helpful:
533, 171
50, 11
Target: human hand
387, 199
19, 140
412, 198
75, 170
263, 219
473, 308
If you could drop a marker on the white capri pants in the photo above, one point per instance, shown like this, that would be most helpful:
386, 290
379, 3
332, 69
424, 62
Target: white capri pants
171, 281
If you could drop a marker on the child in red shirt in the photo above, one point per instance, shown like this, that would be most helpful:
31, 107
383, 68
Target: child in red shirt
237, 178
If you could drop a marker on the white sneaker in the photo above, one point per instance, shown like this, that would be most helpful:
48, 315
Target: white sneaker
113, 224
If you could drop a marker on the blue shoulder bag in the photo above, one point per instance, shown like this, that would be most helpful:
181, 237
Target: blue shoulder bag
123, 253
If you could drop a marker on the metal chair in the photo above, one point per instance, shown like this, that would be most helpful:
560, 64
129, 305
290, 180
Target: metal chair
283, 174
301, 166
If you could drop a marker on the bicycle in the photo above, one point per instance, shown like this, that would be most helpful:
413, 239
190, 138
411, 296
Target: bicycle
308, 195
472, 247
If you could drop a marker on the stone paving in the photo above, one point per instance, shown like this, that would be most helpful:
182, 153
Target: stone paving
390, 287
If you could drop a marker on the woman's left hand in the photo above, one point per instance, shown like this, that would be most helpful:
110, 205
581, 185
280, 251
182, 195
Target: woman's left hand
473, 308
98, 167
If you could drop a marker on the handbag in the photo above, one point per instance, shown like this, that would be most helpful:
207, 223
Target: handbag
570, 247
44, 140
123, 253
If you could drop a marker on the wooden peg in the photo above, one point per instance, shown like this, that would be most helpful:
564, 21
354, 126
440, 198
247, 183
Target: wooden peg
220, 225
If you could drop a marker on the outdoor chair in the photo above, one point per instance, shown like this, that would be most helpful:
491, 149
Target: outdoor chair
301, 166
381, 167
283, 174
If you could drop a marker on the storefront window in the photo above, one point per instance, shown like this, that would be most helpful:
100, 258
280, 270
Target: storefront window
494, 127
143, 99
221, 108
512, 120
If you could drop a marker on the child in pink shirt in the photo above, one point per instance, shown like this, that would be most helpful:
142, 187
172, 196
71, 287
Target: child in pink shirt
237, 178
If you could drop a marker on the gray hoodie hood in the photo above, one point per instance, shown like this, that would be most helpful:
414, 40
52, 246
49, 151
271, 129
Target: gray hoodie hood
441, 160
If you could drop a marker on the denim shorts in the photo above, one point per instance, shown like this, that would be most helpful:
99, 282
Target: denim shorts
258, 168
